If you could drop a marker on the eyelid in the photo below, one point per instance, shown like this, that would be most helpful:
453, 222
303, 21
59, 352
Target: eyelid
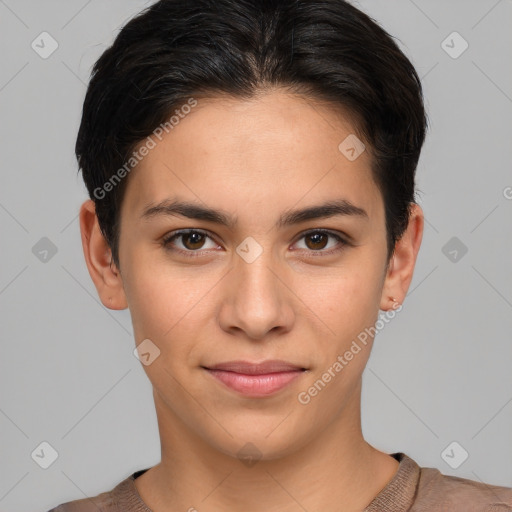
342, 239
166, 239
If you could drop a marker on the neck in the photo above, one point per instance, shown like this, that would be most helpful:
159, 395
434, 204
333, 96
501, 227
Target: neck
336, 471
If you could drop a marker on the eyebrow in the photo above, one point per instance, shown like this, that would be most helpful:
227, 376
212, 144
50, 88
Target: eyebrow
169, 207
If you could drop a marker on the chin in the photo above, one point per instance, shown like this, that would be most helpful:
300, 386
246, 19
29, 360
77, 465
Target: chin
259, 442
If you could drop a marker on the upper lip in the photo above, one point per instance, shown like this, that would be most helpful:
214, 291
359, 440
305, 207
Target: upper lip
248, 368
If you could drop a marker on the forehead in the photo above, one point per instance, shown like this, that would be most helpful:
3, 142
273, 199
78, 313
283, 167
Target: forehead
264, 152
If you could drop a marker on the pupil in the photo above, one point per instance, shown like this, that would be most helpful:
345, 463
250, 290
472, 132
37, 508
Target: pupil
317, 239
196, 239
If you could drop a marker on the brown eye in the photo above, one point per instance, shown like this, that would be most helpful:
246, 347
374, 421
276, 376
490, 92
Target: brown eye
188, 241
318, 240
193, 240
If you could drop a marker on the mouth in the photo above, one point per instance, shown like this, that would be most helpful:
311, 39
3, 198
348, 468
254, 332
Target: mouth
256, 379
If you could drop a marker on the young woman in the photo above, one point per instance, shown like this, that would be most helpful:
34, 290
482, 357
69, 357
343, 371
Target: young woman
251, 168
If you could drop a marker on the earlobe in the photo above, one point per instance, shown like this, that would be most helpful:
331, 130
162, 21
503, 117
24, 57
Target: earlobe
98, 257
401, 267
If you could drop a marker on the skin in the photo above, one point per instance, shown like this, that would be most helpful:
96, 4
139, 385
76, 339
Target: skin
255, 160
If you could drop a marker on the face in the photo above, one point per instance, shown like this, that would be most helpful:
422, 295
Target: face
263, 284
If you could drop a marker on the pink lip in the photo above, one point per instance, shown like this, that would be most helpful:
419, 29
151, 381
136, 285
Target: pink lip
256, 379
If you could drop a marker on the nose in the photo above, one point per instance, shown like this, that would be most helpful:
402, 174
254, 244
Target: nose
257, 300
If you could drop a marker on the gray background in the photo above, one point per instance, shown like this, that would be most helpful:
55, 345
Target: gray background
439, 372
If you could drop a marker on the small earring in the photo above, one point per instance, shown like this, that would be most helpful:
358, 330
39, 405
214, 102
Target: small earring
394, 300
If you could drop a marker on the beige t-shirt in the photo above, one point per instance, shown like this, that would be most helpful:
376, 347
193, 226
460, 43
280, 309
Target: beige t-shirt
412, 489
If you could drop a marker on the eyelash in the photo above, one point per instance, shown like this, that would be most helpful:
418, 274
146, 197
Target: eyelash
167, 240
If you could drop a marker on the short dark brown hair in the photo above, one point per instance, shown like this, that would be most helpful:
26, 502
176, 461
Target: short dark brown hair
322, 49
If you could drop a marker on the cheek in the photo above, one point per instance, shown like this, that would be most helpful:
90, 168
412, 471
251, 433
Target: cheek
347, 306
346, 300
166, 303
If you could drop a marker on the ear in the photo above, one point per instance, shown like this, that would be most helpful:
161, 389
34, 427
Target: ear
401, 267
98, 256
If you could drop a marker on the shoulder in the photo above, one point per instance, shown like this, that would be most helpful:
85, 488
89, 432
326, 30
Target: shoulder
437, 491
101, 503
122, 498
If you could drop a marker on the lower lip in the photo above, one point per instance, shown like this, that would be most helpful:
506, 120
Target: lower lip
255, 385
